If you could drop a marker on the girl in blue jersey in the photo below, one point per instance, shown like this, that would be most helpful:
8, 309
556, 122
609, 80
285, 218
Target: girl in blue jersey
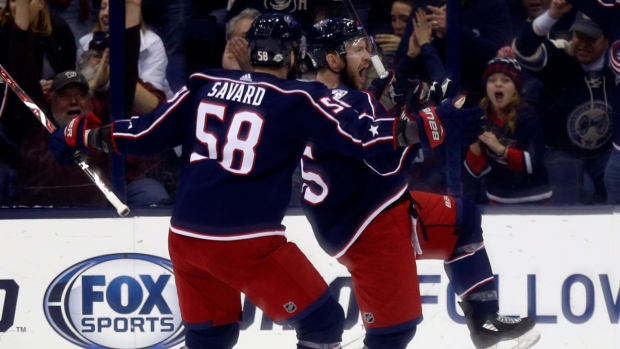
509, 152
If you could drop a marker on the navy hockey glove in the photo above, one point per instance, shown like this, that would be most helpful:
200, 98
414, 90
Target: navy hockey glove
448, 118
66, 140
426, 95
388, 90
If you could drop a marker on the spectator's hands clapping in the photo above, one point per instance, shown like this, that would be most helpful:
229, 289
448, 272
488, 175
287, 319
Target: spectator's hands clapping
422, 33
559, 8
492, 142
437, 20
387, 42
102, 76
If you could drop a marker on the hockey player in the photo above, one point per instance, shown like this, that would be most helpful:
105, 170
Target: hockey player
242, 135
373, 237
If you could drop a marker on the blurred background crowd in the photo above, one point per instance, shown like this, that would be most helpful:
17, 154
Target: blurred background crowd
547, 72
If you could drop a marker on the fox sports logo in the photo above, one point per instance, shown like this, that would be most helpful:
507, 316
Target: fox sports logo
116, 301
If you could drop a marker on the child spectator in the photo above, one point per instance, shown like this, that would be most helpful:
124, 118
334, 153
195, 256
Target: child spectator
510, 151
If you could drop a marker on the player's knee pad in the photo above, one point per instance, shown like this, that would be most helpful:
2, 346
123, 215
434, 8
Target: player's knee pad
322, 326
396, 340
470, 223
216, 337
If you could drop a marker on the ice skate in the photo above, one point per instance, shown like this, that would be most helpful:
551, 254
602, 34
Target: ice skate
489, 330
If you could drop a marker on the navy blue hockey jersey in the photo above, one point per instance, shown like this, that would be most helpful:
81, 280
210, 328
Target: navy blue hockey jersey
341, 195
578, 108
242, 135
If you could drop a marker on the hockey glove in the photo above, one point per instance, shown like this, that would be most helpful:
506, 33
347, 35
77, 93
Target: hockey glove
66, 140
389, 91
448, 118
425, 95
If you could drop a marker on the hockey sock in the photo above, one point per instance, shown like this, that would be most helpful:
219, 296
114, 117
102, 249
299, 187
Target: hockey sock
469, 269
322, 326
395, 340
216, 337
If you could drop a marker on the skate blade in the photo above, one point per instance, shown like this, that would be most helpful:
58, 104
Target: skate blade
525, 341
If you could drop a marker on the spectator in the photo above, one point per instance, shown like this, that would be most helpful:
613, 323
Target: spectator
153, 61
510, 151
43, 181
485, 29
80, 15
54, 40
400, 15
577, 104
429, 174
141, 173
51, 46
236, 55
170, 20
530, 9
304, 14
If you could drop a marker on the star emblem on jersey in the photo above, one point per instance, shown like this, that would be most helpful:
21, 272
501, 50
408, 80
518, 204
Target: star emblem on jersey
374, 130
290, 307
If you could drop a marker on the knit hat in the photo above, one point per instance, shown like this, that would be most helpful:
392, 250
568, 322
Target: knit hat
504, 65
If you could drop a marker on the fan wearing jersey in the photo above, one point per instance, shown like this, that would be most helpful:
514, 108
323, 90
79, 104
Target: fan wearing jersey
373, 237
242, 135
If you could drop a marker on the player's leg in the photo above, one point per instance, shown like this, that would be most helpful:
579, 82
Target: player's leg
385, 281
478, 293
257, 267
450, 229
285, 285
209, 307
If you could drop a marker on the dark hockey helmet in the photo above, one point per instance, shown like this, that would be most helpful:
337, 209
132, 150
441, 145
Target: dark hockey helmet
271, 39
332, 34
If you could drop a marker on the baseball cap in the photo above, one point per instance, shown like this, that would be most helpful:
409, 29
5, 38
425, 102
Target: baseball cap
68, 77
100, 41
586, 25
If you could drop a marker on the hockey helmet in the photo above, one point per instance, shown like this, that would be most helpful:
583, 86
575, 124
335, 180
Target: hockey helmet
271, 39
333, 34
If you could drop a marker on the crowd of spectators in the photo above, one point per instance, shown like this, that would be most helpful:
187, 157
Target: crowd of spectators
547, 72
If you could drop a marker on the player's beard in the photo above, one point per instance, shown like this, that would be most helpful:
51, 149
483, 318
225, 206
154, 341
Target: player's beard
348, 78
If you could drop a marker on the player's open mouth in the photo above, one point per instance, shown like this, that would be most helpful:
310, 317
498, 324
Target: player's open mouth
75, 112
361, 74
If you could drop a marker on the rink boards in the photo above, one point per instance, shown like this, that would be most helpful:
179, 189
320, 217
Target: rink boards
107, 283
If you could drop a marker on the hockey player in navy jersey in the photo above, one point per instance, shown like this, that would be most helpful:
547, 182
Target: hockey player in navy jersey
242, 135
372, 236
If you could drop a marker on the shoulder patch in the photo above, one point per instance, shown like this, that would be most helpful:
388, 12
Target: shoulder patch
338, 93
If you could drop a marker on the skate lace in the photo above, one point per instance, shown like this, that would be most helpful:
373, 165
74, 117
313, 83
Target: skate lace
507, 320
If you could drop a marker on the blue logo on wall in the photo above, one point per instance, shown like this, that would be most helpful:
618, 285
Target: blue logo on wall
116, 301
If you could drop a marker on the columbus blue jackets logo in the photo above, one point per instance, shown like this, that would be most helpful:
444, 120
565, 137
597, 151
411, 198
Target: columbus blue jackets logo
589, 125
116, 301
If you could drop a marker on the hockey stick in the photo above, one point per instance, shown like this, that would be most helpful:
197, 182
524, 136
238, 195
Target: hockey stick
121, 208
374, 58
